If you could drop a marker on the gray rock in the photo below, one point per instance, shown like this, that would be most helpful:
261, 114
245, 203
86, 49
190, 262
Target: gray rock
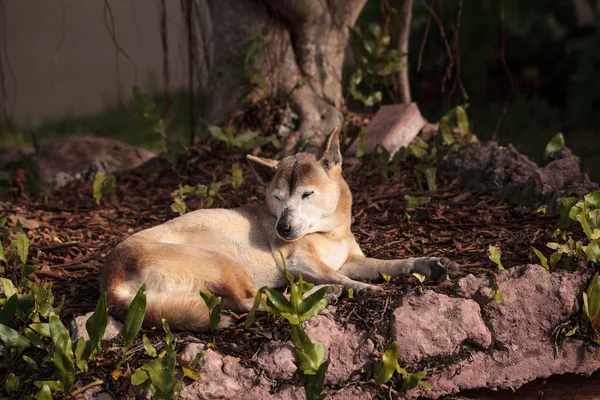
113, 328
434, 324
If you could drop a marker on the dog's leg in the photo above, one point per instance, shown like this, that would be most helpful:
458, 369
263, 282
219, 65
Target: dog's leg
316, 271
434, 268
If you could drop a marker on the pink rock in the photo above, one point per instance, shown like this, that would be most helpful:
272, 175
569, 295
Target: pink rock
535, 301
434, 324
113, 328
393, 126
348, 348
277, 360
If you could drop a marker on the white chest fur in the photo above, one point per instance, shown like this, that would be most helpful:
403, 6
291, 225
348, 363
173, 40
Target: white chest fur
334, 253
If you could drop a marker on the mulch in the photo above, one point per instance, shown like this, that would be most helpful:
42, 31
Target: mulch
75, 234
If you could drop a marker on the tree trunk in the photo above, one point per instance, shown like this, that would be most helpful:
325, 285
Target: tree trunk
400, 41
302, 59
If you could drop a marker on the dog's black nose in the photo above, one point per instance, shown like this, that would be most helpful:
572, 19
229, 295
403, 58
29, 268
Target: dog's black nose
284, 228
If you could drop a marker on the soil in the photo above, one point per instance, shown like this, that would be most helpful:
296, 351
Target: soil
74, 235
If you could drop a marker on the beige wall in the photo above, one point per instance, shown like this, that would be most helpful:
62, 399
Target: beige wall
64, 62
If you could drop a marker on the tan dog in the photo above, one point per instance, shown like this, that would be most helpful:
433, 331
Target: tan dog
234, 252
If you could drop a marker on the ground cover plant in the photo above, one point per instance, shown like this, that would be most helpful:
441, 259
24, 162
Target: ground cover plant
68, 236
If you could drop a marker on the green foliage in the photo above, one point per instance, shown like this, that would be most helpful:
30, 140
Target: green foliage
297, 310
384, 371
388, 163
377, 63
150, 350
591, 299
361, 149
246, 141
542, 258
157, 376
237, 176
455, 123
387, 366
555, 144
134, 318
209, 194
103, 185
12, 383
148, 112
214, 307
494, 254
416, 201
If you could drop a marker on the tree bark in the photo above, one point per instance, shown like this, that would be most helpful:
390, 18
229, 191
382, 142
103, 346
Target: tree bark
400, 41
302, 59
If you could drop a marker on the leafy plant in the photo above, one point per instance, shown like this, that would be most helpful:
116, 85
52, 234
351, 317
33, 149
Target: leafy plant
237, 176
148, 112
416, 201
388, 163
384, 370
495, 293
157, 376
210, 194
495, 254
133, 319
377, 62
555, 144
591, 300
103, 185
214, 307
246, 141
297, 310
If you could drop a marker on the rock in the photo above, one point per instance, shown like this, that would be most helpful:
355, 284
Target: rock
65, 160
94, 393
434, 324
347, 348
113, 328
486, 166
535, 301
393, 126
277, 360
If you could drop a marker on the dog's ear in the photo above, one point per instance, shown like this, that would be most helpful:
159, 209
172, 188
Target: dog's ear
264, 168
330, 154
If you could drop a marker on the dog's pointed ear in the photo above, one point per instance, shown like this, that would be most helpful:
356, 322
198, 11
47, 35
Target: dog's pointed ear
264, 168
330, 154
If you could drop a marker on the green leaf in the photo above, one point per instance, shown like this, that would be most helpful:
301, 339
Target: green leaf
572, 331
63, 353
412, 380
9, 288
313, 304
34, 338
592, 200
361, 149
430, 174
96, 325
169, 337
279, 301
161, 372
138, 377
12, 383
252, 314
7, 314
566, 204
82, 352
22, 247
350, 293
462, 121
150, 350
190, 373
98, 186
309, 355
555, 258
32, 363
210, 300
386, 367
237, 176
542, 209
555, 144
416, 201
542, 258
314, 384
12, 338
592, 298
134, 317
44, 393
495, 254
27, 270
178, 206
2, 255
592, 251
42, 329
446, 131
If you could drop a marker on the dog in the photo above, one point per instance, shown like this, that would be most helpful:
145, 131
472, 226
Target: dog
234, 252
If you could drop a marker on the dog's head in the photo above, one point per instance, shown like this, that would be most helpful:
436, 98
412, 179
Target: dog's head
303, 191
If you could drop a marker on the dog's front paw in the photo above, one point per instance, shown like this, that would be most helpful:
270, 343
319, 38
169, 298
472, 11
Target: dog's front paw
363, 289
434, 268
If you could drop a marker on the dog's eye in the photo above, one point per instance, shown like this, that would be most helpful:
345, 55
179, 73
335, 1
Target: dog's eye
306, 195
277, 198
